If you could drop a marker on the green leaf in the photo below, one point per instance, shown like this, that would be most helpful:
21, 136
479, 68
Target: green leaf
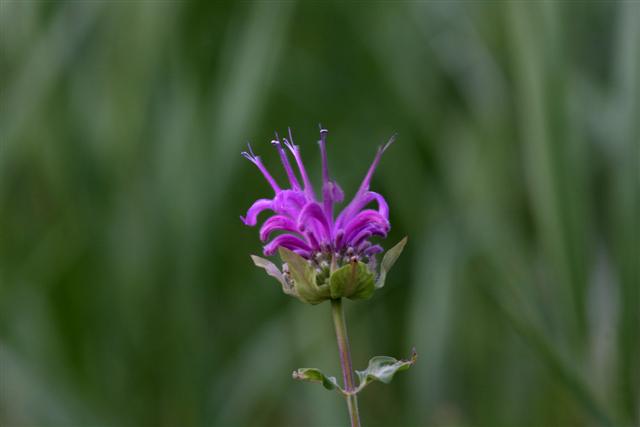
314, 375
304, 278
388, 260
353, 280
383, 368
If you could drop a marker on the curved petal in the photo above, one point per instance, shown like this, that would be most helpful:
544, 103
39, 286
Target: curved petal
363, 246
369, 219
311, 238
258, 206
383, 206
287, 241
360, 237
313, 213
375, 249
303, 253
359, 202
289, 202
336, 192
331, 194
339, 239
277, 222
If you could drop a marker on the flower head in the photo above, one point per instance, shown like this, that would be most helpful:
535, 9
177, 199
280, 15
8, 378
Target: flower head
303, 225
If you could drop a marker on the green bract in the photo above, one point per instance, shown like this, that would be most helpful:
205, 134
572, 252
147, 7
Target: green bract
352, 279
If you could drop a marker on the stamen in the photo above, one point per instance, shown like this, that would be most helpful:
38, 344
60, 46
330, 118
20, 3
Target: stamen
327, 191
295, 150
323, 152
285, 162
258, 162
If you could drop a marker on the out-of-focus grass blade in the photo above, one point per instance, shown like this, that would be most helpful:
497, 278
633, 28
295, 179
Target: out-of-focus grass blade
624, 146
260, 368
431, 315
249, 60
26, 398
548, 353
540, 94
49, 58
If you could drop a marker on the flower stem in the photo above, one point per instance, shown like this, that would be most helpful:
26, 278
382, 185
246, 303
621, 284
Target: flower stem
345, 360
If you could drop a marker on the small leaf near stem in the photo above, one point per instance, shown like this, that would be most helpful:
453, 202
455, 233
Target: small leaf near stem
388, 260
314, 375
383, 368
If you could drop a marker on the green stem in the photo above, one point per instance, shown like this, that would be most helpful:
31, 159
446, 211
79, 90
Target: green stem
345, 360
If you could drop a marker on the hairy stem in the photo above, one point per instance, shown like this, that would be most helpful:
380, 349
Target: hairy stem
345, 360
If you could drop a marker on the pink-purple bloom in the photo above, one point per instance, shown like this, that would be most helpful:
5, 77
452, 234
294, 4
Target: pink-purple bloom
305, 223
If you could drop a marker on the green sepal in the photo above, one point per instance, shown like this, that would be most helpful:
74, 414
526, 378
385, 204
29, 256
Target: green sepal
354, 281
388, 260
314, 375
275, 272
383, 368
304, 278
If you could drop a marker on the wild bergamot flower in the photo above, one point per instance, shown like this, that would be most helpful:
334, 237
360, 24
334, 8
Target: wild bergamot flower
327, 257
324, 256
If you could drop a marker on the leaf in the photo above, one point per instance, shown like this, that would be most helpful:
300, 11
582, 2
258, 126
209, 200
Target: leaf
388, 260
304, 278
353, 280
314, 375
383, 368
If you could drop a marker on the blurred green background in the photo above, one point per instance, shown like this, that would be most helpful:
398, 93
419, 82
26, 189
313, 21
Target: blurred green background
127, 296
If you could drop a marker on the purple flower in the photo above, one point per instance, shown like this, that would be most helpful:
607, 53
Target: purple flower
306, 224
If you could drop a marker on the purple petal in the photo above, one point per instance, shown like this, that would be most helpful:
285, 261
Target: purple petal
287, 241
311, 238
336, 192
289, 202
258, 206
331, 194
363, 234
339, 239
277, 222
303, 253
327, 201
359, 202
363, 246
367, 179
313, 212
383, 207
368, 219
375, 249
